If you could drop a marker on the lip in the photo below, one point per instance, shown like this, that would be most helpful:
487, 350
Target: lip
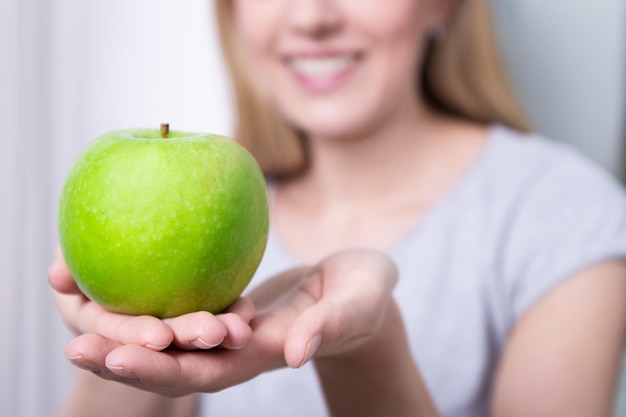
323, 71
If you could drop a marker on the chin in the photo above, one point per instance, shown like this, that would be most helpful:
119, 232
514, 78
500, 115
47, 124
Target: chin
330, 132
339, 126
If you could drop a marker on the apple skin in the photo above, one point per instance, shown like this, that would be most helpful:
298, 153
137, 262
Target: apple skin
163, 227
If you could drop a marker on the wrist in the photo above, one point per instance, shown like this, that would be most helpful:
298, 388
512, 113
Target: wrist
378, 377
378, 348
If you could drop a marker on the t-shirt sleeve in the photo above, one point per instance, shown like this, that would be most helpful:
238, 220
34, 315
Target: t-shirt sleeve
573, 217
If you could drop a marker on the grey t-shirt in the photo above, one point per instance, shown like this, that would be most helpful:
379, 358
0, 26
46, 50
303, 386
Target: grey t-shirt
527, 215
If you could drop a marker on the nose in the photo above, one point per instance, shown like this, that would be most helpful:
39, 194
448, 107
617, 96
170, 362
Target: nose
316, 18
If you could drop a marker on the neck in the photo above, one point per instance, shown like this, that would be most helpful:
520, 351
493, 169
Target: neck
352, 170
386, 180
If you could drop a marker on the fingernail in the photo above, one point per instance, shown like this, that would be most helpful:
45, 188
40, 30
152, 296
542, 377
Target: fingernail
232, 347
121, 371
79, 362
153, 346
311, 348
201, 344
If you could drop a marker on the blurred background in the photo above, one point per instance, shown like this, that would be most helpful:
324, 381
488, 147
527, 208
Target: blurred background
72, 70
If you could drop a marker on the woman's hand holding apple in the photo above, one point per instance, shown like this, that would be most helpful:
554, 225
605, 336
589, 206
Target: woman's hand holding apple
99, 332
325, 311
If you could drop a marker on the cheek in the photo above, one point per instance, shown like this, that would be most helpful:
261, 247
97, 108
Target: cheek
387, 18
256, 22
397, 36
395, 26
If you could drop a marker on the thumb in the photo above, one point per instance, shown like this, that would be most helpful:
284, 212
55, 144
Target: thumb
326, 329
341, 304
59, 276
305, 336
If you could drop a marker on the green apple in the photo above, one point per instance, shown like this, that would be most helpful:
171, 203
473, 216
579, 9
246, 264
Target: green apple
163, 224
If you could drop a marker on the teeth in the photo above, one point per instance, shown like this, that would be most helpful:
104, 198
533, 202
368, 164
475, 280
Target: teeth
321, 67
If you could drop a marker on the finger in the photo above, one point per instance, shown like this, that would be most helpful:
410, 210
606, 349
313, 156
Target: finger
84, 316
244, 308
146, 331
202, 330
277, 290
171, 373
331, 328
342, 319
305, 337
199, 330
69, 306
59, 276
89, 351
347, 296
237, 320
178, 372
238, 332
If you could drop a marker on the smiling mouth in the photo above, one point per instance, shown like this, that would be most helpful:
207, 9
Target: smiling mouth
319, 67
323, 72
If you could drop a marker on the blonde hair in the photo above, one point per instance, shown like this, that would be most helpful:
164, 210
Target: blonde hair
462, 75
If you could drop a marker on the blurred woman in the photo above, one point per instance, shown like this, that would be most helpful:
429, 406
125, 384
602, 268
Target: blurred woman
387, 126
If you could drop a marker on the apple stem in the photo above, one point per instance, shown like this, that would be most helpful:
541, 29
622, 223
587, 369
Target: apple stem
165, 130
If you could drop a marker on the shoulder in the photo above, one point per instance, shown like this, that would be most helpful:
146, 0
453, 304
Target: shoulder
564, 214
536, 157
539, 190
549, 176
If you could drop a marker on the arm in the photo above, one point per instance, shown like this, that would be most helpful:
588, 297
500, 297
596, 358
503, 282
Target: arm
340, 312
348, 322
378, 379
564, 355
91, 395
96, 397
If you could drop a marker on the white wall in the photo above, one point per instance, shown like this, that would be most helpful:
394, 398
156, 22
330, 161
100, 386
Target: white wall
568, 60
71, 70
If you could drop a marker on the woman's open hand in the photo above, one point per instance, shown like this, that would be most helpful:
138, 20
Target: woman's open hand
324, 311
